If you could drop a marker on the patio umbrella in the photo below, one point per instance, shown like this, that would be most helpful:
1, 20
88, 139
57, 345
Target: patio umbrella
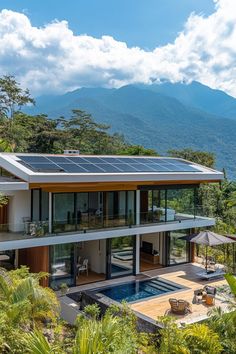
210, 238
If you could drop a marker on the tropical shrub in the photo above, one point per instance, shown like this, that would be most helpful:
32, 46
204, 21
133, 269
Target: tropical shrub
196, 338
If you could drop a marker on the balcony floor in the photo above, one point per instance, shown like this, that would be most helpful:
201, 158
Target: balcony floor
17, 240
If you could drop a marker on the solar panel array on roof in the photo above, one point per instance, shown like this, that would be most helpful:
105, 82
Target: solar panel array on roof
92, 164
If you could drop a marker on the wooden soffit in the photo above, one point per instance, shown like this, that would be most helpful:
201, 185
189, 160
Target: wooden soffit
105, 186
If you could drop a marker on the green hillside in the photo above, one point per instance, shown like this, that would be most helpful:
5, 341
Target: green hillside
152, 119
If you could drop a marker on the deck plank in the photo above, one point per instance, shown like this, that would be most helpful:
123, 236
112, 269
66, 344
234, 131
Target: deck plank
184, 275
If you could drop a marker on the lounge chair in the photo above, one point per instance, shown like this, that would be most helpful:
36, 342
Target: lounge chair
210, 275
180, 307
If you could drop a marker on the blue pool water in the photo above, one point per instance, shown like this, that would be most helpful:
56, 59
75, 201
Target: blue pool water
117, 269
138, 290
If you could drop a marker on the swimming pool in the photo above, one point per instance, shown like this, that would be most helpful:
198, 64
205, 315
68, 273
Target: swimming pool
139, 290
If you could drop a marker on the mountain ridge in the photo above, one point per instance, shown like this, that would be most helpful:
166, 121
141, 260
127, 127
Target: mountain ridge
153, 119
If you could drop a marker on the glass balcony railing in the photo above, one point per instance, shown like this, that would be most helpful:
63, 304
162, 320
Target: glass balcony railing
93, 222
162, 215
31, 229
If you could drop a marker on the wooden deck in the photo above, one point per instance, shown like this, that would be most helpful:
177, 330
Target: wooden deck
184, 275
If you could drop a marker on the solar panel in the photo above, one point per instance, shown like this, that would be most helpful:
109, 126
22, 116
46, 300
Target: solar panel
73, 168
93, 160
125, 167
77, 159
46, 167
33, 158
142, 167
107, 167
107, 164
92, 168
110, 159
58, 159
158, 167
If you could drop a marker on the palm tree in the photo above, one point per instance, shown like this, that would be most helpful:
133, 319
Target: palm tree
25, 301
201, 339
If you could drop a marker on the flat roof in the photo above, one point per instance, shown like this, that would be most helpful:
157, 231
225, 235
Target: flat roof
62, 168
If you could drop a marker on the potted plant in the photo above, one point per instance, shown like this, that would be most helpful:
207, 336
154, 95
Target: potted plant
63, 288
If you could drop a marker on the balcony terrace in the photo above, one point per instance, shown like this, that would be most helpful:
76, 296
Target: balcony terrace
33, 234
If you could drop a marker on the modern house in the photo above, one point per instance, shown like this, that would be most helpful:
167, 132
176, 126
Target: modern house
90, 218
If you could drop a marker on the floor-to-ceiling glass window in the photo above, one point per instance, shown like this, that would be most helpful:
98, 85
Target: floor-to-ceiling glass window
131, 208
95, 211
44, 206
82, 210
62, 265
92, 210
121, 256
39, 214
178, 248
64, 212
180, 203
119, 208
164, 204
35, 214
152, 206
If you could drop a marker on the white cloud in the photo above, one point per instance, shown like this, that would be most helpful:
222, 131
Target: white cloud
53, 59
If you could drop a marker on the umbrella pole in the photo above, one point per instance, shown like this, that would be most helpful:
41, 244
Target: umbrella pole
206, 258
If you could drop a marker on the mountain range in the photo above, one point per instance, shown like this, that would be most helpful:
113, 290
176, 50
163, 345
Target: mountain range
159, 116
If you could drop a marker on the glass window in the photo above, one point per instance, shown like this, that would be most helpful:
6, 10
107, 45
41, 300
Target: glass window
62, 265
146, 207
44, 206
82, 210
152, 206
131, 207
122, 256
178, 248
180, 204
35, 205
159, 210
63, 212
95, 210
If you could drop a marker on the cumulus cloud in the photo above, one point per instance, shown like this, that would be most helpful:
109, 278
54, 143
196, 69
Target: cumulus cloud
53, 59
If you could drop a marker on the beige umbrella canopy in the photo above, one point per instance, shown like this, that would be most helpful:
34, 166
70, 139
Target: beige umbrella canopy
210, 238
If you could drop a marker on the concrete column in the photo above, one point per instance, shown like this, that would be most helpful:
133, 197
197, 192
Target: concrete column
137, 207
50, 212
137, 260
137, 263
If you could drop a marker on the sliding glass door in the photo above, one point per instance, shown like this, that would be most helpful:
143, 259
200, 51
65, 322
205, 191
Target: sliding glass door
92, 210
120, 256
62, 265
178, 248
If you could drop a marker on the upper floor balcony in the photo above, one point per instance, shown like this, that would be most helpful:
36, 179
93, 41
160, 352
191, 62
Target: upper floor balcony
101, 214
39, 233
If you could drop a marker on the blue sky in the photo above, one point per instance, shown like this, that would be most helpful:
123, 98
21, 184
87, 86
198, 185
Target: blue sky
57, 46
143, 23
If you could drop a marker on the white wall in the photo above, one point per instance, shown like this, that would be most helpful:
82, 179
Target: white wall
154, 239
157, 239
95, 253
18, 208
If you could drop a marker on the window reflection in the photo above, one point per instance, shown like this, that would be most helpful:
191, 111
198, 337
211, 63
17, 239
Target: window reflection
62, 265
92, 210
63, 212
178, 248
122, 256
164, 205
